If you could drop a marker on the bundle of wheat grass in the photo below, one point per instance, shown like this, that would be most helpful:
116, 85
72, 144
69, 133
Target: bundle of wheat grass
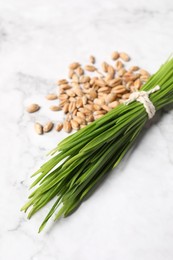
81, 160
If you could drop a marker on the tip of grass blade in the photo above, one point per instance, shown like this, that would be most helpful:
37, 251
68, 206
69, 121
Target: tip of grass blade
34, 184
26, 206
39, 230
52, 152
49, 215
35, 173
31, 213
31, 186
32, 194
59, 214
41, 227
23, 208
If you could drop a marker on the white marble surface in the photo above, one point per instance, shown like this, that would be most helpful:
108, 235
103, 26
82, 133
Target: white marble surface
130, 217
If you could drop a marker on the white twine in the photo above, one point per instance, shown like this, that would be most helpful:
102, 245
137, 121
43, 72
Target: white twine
143, 97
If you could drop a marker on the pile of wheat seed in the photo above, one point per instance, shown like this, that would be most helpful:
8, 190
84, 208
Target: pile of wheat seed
89, 93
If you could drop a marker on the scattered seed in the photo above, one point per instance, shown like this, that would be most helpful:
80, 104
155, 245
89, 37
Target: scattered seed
79, 71
65, 86
89, 118
133, 89
144, 78
104, 67
75, 78
68, 117
72, 99
110, 98
124, 56
65, 108
111, 71
92, 59
85, 98
80, 114
103, 89
70, 73
61, 91
106, 108
74, 65
144, 72
85, 110
79, 103
119, 65
126, 96
114, 82
38, 128
119, 90
72, 107
55, 108
96, 107
75, 84
93, 80
32, 108
63, 97
98, 116
90, 68
115, 55
92, 94
128, 85
67, 126
82, 126
75, 112
113, 104
138, 83
99, 101
100, 82
84, 79
89, 107
101, 112
131, 77
78, 91
121, 72
51, 96
79, 120
75, 124
47, 127
70, 93
62, 81
59, 127
63, 102
134, 68
86, 86
102, 95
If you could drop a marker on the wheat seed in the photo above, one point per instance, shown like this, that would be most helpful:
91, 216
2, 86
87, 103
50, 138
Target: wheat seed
32, 108
47, 127
38, 128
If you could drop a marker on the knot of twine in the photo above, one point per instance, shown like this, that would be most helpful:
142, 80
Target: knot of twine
143, 97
